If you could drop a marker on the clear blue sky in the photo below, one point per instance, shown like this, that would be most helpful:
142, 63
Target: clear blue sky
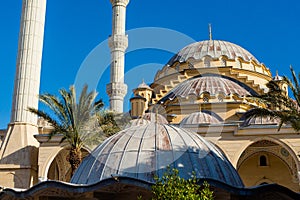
270, 30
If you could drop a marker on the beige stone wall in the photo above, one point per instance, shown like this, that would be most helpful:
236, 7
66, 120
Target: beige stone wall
276, 171
236, 141
16, 176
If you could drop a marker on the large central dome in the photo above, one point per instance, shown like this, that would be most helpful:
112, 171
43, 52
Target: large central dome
212, 48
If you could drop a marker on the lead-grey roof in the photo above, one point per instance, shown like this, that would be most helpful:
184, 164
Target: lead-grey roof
141, 152
153, 117
201, 117
259, 120
213, 48
211, 84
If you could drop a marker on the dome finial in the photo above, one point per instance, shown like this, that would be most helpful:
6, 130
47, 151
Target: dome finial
209, 31
277, 77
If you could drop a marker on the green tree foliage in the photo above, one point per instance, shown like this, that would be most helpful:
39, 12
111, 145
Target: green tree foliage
75, 120
276, 104
111, 122
171, 186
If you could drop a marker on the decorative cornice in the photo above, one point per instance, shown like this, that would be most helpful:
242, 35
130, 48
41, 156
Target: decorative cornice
116, 90
119, 2
118, 42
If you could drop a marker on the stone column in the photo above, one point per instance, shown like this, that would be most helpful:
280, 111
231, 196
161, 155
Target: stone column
118, 43
19, 151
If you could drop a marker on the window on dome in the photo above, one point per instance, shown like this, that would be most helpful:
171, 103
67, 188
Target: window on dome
206, 99
223, 62
221, 98
207, 62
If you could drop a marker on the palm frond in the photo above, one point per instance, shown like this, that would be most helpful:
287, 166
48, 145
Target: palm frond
278, 104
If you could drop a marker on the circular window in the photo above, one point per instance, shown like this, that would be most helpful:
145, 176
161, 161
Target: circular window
284, 152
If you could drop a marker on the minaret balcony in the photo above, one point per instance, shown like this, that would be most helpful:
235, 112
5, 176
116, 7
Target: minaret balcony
118, 42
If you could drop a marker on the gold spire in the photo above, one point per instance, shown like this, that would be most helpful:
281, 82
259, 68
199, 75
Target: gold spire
209, 31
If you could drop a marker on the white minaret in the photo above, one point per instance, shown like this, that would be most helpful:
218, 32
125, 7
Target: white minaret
118, 43
19, 148
27, 79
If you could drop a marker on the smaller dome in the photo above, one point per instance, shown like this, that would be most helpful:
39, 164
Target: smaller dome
143, 152
137, 122
202, 117
261, 120
143, 85
211, 84
277, 77
155, 118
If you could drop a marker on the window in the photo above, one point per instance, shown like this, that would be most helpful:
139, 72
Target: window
207, 62
262, 160
206, 99
221, 98
224, 62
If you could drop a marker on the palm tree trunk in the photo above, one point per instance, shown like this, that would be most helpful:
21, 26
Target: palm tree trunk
74, 158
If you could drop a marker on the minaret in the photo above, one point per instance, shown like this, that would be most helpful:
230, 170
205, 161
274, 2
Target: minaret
118, 43
19, 148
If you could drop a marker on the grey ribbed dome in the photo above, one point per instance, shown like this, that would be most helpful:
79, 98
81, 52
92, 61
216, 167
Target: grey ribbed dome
155, 117
201, 117
141, 152
213, 49
259, 121
211, 84
144, 85
137, 122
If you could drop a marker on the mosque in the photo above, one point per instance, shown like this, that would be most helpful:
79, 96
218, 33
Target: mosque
191, 117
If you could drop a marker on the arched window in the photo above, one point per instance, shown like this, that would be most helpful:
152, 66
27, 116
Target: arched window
207, 61
223, 61
262, 160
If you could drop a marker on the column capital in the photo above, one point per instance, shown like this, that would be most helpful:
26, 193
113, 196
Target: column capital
119, 2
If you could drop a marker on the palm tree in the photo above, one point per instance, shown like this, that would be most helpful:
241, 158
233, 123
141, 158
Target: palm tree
75, 121
111, 122
276, 104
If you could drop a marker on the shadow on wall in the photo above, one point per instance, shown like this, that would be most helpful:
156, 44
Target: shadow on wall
22, 168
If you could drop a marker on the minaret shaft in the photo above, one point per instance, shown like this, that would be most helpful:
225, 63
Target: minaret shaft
27, 79
119, 18
19, 150
118, 44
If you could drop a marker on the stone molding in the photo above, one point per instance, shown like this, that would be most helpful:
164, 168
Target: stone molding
116, 89
118, 42
119, 2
